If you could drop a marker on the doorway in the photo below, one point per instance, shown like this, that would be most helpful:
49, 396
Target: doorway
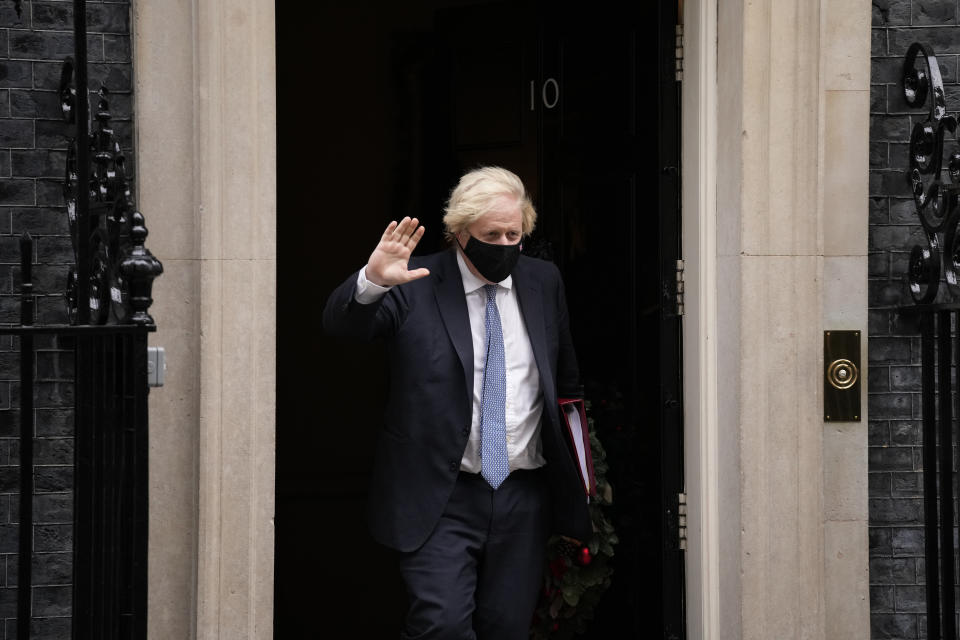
585, 108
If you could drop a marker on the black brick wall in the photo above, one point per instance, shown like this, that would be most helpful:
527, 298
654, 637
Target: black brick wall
32, 152
897, 598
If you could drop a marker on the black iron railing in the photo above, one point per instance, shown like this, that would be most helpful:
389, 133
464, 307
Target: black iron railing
110, 477
937, 309
939, 354
107, 294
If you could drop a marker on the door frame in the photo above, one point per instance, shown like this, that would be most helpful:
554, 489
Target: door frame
706, 482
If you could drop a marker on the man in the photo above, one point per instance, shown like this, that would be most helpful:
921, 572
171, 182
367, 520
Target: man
472, 471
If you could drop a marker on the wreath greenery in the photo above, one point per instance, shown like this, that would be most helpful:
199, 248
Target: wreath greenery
577, 576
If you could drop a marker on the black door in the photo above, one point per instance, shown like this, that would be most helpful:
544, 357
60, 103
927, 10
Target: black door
610, 190
584, 107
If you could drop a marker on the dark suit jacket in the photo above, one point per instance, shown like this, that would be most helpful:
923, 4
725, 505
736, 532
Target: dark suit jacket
430, 402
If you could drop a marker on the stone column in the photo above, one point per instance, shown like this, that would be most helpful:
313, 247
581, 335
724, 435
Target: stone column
206, 117
803, 267
167, 194
781, 552
779, 495
844, 211
236, 129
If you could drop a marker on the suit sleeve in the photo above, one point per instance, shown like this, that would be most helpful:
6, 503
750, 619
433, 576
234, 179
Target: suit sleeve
343, 316
568, 374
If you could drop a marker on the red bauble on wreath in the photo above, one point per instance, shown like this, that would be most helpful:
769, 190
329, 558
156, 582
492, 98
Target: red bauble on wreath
584, 558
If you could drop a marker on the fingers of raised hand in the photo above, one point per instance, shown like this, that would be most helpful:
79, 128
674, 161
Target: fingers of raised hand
407, 232
389, 231
415, 236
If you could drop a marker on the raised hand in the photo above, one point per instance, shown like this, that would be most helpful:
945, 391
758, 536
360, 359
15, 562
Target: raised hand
387, 265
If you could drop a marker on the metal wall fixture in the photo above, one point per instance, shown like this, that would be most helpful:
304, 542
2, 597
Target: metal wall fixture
841, 376
938, 311
108, 293
935, 200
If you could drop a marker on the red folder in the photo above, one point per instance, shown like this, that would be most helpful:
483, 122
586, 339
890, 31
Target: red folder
574, 416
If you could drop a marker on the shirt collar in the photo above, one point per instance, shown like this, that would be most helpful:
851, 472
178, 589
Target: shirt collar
471, 282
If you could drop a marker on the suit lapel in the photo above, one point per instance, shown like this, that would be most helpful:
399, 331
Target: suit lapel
453, 309
531, 308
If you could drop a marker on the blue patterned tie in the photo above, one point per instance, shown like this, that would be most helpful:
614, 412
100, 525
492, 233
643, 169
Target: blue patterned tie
495, 465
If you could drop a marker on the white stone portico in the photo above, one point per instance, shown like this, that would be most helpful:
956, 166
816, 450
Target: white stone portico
775, 130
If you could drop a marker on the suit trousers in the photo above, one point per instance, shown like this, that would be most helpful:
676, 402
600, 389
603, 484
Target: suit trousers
479, 574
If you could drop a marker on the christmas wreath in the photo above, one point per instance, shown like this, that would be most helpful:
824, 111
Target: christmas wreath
576, 576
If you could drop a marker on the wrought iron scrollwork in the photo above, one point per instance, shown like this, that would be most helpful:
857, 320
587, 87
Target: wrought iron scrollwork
118, 269
935, 200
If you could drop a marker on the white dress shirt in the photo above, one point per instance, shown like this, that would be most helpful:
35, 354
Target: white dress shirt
524, 404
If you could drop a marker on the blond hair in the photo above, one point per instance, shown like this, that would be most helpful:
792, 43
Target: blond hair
476, 194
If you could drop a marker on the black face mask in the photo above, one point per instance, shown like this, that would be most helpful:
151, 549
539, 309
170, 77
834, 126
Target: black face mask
494, 261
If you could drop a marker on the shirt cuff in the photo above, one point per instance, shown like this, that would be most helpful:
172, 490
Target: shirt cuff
368, 292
